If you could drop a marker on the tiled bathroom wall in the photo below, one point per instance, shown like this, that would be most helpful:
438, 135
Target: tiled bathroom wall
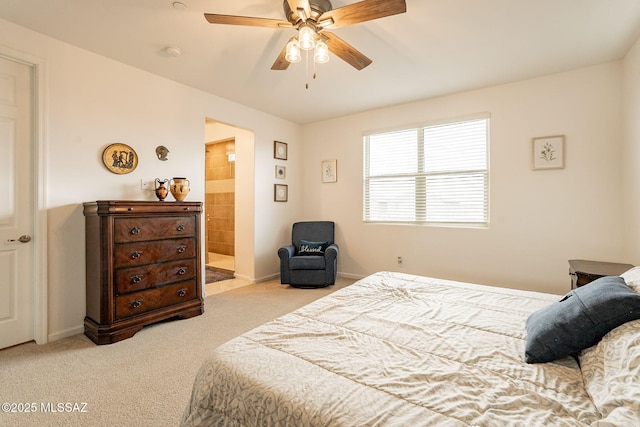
220, 197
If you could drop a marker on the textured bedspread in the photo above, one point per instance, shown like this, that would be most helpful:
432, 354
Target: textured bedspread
393, 349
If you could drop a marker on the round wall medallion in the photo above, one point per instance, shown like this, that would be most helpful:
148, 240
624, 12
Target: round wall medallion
120, 158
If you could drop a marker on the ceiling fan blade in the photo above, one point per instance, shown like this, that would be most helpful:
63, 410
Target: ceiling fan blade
365, 10
215, 18
345, 51
281, 63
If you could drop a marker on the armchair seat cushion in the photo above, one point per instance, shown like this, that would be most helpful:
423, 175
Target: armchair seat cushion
307, 262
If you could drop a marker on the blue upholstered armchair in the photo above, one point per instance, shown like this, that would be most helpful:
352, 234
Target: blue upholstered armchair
311, 260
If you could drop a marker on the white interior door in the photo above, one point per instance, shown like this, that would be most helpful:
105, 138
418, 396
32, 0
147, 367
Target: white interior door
16, 204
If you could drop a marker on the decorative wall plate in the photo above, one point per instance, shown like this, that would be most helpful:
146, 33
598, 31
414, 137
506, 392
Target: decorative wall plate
120, 158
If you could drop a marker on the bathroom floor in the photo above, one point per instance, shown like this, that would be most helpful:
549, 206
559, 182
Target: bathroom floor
224, 262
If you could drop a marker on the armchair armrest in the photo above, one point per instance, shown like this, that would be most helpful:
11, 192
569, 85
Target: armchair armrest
331, 253
331, 261
286, 252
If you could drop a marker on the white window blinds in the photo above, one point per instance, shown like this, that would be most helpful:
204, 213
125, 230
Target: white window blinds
434, 174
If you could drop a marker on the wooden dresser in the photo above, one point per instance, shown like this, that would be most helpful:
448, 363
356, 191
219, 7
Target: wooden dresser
143, 265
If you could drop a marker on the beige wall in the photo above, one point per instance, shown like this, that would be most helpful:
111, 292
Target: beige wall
90, 102
538, 219
630, 207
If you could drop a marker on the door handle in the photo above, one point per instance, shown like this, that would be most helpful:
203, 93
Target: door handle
25, 238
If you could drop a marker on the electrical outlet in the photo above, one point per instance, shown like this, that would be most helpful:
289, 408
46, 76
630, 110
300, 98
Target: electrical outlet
399, 260
145, 185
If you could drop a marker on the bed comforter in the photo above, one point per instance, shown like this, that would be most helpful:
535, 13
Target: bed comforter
396, 349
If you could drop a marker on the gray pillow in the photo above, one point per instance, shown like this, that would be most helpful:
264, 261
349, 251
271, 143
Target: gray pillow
580, 319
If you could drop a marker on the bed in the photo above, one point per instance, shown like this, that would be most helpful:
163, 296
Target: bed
396, 349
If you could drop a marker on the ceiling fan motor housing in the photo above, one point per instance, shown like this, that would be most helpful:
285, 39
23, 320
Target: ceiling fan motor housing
317, 7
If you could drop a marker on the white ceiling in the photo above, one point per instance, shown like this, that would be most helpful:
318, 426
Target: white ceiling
437, 47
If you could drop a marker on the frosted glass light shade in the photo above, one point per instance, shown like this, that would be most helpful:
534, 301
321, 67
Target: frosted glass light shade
306, 38
321, 54
293, 51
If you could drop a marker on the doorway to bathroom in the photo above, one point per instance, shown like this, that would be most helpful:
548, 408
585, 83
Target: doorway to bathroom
220, 205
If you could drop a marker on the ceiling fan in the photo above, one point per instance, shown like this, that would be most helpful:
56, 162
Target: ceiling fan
311, 18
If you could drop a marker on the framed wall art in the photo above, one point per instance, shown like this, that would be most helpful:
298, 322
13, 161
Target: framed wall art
329, 170
280, 192
280, 150
547, 152
120, 158
281, 172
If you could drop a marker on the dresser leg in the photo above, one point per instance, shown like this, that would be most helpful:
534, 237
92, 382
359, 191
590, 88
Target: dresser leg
105, 335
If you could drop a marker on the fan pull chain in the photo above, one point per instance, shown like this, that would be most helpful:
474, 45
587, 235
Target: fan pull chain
314, 70
306, 70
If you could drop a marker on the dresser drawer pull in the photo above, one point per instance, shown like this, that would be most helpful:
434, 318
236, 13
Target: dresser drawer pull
136, 303
136, 279
181, 249
180, 227
135, 230
182, 270
182, 292
136, 254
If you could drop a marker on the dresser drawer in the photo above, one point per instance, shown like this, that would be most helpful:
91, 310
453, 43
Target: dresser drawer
144, 301
147, 276
141, 229
140, 253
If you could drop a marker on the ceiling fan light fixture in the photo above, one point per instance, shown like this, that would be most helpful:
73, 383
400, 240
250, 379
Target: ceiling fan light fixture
293, 51
311, 18
321, 54
306, 37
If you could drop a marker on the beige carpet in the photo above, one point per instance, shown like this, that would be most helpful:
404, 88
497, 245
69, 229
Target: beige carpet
142, 381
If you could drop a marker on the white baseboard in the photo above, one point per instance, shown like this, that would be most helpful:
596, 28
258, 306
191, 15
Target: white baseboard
351, 276
66, 333
267, 278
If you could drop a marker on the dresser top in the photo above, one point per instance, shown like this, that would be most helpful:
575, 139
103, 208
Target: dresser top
104, 207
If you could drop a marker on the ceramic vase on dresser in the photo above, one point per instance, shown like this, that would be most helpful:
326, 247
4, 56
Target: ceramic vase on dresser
161, 190
179, 188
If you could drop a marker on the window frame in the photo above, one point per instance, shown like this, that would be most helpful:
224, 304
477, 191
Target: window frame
421, 176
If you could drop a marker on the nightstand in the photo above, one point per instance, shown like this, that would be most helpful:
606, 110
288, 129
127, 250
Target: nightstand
584, 271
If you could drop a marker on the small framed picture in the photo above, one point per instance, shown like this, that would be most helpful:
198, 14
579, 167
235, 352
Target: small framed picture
280, 150
281, 172
547, 152
280, 192
329, 170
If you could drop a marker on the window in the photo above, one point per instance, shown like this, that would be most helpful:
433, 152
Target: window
435, 174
